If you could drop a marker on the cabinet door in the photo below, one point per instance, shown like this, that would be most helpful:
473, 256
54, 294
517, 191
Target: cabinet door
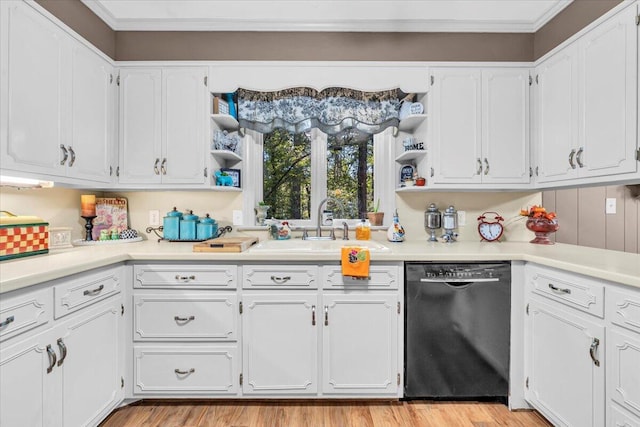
505, 126
33, 77
28, 394
457, 122
91, 371
183, 123
564, 382
92, 96
608, 90
280, 343
623, 369
557, 116
360, 344
140, 151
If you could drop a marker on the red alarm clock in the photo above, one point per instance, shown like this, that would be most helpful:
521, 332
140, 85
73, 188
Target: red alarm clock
490, 228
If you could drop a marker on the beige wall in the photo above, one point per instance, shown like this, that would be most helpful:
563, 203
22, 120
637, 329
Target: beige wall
583, 221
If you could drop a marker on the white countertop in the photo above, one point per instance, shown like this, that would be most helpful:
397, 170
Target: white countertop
614, 266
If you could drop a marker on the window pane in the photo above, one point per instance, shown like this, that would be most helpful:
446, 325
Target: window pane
287, 174
350, 172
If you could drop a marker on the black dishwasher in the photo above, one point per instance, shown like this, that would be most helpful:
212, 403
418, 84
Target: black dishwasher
457, 331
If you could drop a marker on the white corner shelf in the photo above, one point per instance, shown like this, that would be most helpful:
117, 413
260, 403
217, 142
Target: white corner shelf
412, 189
225, 188
410, 123
225, 121
229, 156
411, 155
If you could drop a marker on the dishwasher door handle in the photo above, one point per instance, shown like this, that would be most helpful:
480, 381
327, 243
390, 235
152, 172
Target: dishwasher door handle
452, 280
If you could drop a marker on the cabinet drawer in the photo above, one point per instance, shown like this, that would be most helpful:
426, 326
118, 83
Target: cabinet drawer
185, 276
186, 370
193, 317
623, 308
579, 292
280, 277
380, 277
74, 294
22, 313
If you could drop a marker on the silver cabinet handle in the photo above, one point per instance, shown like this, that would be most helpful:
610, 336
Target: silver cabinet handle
571, 162
184, 319
65, 154
326, 315
63, 351
163, 166
6, 321
479, 170
579, 157
280, 279
206, 173
185, 278
110, 170
180, 372
559, 290
93, 292
432, 171
73, 156
592, 351
313, 315
52, 359
155, 167
486, 166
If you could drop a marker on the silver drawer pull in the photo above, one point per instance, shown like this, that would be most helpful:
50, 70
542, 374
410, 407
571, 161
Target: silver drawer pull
313, 315
184, 319
185, 278
93, 292
179, 372
52, 359
592, 351
7, 321
326, 315
280, 279
559, 290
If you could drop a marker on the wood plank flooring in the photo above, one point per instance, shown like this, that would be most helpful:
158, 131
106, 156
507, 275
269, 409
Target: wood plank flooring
281, 413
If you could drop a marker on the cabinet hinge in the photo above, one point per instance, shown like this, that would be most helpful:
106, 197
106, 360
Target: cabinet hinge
118, 171
110, 78
206, 80
432, 80
118, 80
121, 309
121, 382
530, 171
240, 307
638, 154
398, 307
398, 378
205, 172
241, 378
637, 19
526, 383
527, 309
110, 170
537, 170
530, 80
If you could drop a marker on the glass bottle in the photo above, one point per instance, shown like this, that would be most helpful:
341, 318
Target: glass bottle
363, 230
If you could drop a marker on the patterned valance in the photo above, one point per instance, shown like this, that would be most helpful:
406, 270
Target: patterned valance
331, 110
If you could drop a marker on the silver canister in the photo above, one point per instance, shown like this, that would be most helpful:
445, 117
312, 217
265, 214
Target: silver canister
432, 221
450, 224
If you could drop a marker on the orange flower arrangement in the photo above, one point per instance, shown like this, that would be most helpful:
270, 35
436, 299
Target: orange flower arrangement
538, 212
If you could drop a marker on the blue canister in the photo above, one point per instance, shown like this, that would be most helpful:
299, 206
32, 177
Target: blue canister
188, 226
207, 228
171, 225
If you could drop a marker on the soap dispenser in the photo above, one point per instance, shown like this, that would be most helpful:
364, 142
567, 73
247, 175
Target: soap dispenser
395, 233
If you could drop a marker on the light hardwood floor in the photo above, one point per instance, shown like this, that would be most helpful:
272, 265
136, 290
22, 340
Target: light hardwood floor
319, 414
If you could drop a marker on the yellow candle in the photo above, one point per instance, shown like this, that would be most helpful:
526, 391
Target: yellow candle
88, 204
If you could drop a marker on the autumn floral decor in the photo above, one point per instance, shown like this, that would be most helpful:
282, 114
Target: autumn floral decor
542, 223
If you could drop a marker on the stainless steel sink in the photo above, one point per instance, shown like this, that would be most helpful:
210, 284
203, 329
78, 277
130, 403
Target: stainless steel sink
297, 245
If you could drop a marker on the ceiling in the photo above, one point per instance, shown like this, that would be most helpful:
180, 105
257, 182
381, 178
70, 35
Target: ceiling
327, 15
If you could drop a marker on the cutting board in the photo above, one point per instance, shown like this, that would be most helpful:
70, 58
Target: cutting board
225, 244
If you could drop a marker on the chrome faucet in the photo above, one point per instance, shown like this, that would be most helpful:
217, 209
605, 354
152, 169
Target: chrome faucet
319, 235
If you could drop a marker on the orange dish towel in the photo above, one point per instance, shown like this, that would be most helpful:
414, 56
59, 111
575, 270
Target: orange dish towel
355, 262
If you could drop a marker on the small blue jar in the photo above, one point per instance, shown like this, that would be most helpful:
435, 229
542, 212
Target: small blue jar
207, 228
188, 226
171, 225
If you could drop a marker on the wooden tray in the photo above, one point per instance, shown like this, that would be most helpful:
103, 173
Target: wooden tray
226, 244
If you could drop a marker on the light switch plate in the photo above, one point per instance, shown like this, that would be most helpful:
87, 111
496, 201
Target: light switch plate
237, 217
610, 206
462, 218
154, 218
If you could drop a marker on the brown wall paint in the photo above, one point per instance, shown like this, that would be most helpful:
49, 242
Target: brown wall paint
569, 21
322, 46
82, 20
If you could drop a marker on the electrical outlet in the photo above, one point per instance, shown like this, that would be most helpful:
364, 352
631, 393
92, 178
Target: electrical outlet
154, 218
462, 218
237, 217
610, 206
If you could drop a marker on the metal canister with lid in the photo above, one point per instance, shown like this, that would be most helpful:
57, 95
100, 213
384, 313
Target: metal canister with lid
171, 225
207, 228
188, 226
432, 221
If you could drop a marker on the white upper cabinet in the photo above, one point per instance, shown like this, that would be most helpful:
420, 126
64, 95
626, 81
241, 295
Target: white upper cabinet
587, 113
59, 103
162, 125
480, 126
